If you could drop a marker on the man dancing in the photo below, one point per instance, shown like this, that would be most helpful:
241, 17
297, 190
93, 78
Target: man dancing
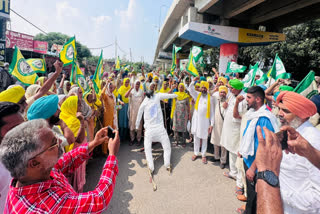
154, 127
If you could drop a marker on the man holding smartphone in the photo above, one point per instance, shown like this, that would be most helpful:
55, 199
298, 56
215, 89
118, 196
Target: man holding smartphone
299, 178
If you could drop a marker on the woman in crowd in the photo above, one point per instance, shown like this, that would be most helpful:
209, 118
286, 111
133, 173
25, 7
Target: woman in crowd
73, 118
136, 97
109, 110
123, 112
180, 113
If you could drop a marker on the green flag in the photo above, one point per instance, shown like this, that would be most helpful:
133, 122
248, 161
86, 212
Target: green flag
308, 86
249, 79
191, 67
197, 53
68, 53
80, 80
38, 65
98, 74
263, 78
278, 70
175, 50
233, 67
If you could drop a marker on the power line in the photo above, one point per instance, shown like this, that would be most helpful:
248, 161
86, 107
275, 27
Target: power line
102, 47
121, 50
28, 21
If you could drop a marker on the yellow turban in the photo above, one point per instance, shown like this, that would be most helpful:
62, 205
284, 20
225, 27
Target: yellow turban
222, 79
204, 84
141, 78
155, 78
150, 75
13, 94
223, 88
209, 79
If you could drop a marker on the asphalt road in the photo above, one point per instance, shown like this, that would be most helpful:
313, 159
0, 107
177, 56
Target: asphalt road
191, 188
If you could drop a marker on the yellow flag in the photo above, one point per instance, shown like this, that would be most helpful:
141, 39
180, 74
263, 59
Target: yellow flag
80, 80
68, 52
98, 75
118, 64
191, 67
20, 69
38, 65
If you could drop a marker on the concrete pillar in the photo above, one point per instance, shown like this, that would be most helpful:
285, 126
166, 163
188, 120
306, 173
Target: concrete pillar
228, 52
192, 14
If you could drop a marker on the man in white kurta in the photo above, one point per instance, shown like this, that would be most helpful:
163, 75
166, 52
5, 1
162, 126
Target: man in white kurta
154, 126
202, 123
230, 136
299, 178
218, 98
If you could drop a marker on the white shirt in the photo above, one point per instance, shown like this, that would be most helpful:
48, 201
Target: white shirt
299, 179
5, 180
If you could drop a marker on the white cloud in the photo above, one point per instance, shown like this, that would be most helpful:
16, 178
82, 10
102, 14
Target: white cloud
100, 20
64, 9
128, 16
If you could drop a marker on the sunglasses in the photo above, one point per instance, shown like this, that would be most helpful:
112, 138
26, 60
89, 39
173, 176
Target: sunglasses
55, 144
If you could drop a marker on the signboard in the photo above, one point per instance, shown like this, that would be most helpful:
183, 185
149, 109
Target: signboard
256, 36
22, 41
40, 47
5, 9
2, 52
56, 48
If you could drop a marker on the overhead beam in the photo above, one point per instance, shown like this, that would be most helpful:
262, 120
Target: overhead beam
233, 11
276, 12
204, 5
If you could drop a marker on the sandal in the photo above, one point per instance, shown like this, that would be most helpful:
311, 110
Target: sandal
204, 160
239, 191
241, 209
227, 174
194, 157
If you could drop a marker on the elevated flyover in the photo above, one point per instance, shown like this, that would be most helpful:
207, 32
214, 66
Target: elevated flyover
228, 24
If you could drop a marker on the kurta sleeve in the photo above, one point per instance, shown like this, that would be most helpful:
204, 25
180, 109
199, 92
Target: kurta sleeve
163, 96
194, 94
140, 112
211, 111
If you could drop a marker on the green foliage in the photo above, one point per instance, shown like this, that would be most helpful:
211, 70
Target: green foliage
211, 59
59, 38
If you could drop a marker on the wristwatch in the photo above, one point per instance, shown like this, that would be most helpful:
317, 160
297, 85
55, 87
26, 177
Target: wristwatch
269, 177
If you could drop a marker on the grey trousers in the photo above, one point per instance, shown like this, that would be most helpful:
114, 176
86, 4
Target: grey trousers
220, 153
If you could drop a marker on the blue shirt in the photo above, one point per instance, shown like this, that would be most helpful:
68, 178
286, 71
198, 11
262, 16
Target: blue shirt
262, 122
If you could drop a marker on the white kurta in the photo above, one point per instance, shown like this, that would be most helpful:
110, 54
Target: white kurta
200, 122
218, 120
154, 126
299, 179
230, 136
5, 179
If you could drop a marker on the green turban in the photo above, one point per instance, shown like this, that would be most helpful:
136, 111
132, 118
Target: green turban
236, 84
285, 88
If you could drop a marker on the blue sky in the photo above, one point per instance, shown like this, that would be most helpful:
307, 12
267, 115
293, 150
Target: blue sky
97, 23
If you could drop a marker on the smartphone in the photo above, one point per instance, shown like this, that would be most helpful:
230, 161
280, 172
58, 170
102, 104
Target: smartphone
110, 132
283, 138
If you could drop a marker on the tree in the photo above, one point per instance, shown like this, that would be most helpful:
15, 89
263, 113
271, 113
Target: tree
59, 39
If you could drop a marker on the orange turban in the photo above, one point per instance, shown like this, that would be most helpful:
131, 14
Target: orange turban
297, 104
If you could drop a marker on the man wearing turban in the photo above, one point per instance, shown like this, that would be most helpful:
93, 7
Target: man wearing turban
230, 136
299, 179
220, 153
15, 94
202, 119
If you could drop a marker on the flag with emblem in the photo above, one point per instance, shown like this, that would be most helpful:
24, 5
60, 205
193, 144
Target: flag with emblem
197, 53
98, 74
175, 50
233, 67
278, 70
262, 77
37, 65
308, 86
249, 79
20, 69
78, 78
191, 67
68, 53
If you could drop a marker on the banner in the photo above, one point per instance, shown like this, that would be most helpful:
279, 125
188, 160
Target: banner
20, 69
5, 9
40, 47
22, 41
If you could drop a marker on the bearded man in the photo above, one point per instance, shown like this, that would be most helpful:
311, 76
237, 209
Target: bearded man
299, 178
202, 119
220, 153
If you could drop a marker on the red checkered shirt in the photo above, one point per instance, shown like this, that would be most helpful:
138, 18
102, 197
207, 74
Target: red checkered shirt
58, 196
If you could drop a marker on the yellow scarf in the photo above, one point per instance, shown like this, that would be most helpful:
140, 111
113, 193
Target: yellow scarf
68, 114
208, 104
123, 90
181, 96
162, 90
